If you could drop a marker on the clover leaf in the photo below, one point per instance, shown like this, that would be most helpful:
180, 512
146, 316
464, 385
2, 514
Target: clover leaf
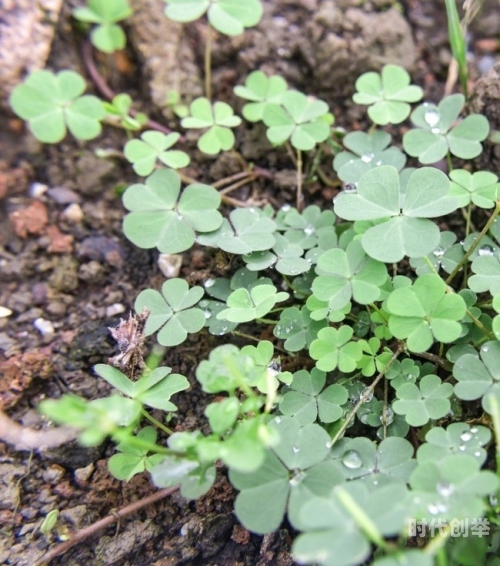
285, 256
306, 399
427, 401
195, 479
153, 145
435, 134
261, 90
366, 151
447, 255
217, 119
132, 460
160, 218
309, 228
297, 328
271, 375
487, 274
387, 94
244, 305
229, 17
293, 471
172, 311
479, 376
404, 228
51, 103
298, 119
424, 312
333, 348
480, 188
153, 389
332, 534
453, 487
118, 111
458, 438
107, 36
350, 274
215, 326
245, 231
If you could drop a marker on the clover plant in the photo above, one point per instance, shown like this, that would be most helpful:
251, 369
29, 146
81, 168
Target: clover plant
355, 390
107, 36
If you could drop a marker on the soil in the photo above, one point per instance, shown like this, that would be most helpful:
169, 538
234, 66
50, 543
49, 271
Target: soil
67, 273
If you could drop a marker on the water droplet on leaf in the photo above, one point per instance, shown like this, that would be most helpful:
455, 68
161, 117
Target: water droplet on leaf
466, 436
367, 157
352, 460
486, 250
445, 488
432, 117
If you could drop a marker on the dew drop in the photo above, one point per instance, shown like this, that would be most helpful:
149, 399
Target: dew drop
438, 252
309, 230
432, 117
466, 436
367, 157
484, 349
286, 207
461, 447
388, 416
445, 489
366, 395
486, 250
378, 163
493, 500
477, 453
375, 482
435, 130
352, 460
207, 314
295, 449
350, 187
433, 509
209, 283
474, 429
297, 478
277, 420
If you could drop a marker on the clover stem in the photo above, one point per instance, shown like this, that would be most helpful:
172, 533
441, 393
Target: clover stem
495, 416
237, 185
299, 180
437, 544
450, 164
467, 217
476, 242
265, 321
480, 325
367, 391
384, 408
157, 423
231, 179
121, 436
208, 63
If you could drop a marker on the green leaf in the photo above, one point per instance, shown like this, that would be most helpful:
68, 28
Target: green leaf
51, 103
160, 218
172, 311
487, 275
133, 460
244, 305
261, 90
297, 118
297, 328
143, 154
195, 480
435, 134
387, 94
447, 255
333, 348
427, 401
217, 119
480, 188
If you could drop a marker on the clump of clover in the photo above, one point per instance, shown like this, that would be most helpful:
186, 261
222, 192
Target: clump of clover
367, 396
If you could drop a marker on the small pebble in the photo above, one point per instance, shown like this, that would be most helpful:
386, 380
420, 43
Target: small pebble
45, 327
4, 312
115, 308
170, 264
83, 474
36, 190
73, 213
63, 195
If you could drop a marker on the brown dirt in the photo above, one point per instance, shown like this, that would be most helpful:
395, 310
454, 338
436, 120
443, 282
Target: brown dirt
64, 261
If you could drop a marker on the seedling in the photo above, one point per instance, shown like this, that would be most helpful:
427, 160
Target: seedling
118, 110
107, 36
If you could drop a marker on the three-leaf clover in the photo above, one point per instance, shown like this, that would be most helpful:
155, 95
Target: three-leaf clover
51, 103
118, 111
133, 460
436, 135
297, 328
479, 376
217, 119
298, 119
172, 311
230, 17
244, 305
160, 218
480, 188
425, 311
350, 274
404, 228
306, 400
153, 389
447, 255
153, 145
107, 36
366, 151
333, 347
487, 274
285, 256
292, 472
387, 94
261, 90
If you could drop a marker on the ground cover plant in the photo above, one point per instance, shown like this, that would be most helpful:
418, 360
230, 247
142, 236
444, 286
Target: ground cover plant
371, 414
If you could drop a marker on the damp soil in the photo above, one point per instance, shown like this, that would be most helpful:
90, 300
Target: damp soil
68, 274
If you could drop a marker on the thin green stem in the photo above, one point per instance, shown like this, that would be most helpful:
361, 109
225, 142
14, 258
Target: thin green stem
467, 219
265, 321
366, 393
299, 180
476, 242
122, 436
437, 544
157, 423
450, 164
495, 417
208, 63
480, 325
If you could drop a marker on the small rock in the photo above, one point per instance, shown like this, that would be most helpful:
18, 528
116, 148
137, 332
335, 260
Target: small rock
45, 327
63, 195
75, 515
170, 264
100, 248
36, 190
73, 213
92, 271
56, 308
83, 474
29, 513
114, 309
26, 528
53, 474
